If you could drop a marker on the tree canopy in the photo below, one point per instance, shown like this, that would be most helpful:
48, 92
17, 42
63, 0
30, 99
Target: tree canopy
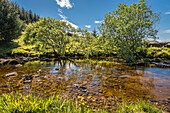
129, 26
48, 33
10, 24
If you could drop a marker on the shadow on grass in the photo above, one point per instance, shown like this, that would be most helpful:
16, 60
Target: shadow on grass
6, 48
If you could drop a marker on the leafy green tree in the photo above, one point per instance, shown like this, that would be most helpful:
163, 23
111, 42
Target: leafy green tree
48, 33
10, 24
129, 26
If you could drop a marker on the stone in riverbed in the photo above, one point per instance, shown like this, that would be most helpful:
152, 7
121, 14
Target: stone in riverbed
37, 75
27, 81
18, 65
4, 61
13, 62
11, 74
28, 77
5, 85
76, 85
46, 76
83, 87
57, 68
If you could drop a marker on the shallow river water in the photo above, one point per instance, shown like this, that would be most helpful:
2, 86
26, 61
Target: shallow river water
100, 85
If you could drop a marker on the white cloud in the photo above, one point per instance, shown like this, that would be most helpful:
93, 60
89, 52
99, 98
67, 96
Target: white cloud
88, 26
59, 10
167, 31
73, 25
62, 16
64, 3
167, 13
97, 22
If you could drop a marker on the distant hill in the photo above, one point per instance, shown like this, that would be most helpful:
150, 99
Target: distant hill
159, 44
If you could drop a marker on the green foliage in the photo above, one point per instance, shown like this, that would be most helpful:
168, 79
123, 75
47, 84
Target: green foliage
17, 103
27, 51
129, 26
157, 52
10, 24
138, 107
47, 34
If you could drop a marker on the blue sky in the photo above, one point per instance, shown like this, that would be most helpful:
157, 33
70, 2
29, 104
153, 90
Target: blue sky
87, 14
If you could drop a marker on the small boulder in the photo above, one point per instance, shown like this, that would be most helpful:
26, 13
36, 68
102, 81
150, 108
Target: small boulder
18, 65
11, 74
13, 62
4, 62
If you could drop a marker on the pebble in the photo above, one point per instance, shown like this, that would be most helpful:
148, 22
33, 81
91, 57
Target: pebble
83, 87
18, 65
46, 76
57, 68
27, 81
76, 85
37, 76
6, 85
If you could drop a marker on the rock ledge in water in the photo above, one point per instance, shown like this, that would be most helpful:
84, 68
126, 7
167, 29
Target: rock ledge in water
11, 74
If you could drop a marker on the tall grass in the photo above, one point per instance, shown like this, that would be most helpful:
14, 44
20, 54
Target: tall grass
138, 107
17, 103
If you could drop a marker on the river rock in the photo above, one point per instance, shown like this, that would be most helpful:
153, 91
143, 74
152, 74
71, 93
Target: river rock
83, 87
57, 68
13, 62
18, 65
28, 77
11, 74
4, 61
60, 78
36, 76
76, 85
27, 81
46, 76
5, 85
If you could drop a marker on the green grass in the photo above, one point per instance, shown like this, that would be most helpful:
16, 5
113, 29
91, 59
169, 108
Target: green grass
17, 103
137, 107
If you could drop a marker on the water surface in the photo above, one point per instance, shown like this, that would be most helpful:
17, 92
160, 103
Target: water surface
100, 85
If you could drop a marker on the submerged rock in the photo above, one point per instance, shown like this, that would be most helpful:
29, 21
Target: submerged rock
28, 77
5, 85
60, 78
46, 76
11, 74
27, 81
83, 87
57, 68
76, 85
36, 76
